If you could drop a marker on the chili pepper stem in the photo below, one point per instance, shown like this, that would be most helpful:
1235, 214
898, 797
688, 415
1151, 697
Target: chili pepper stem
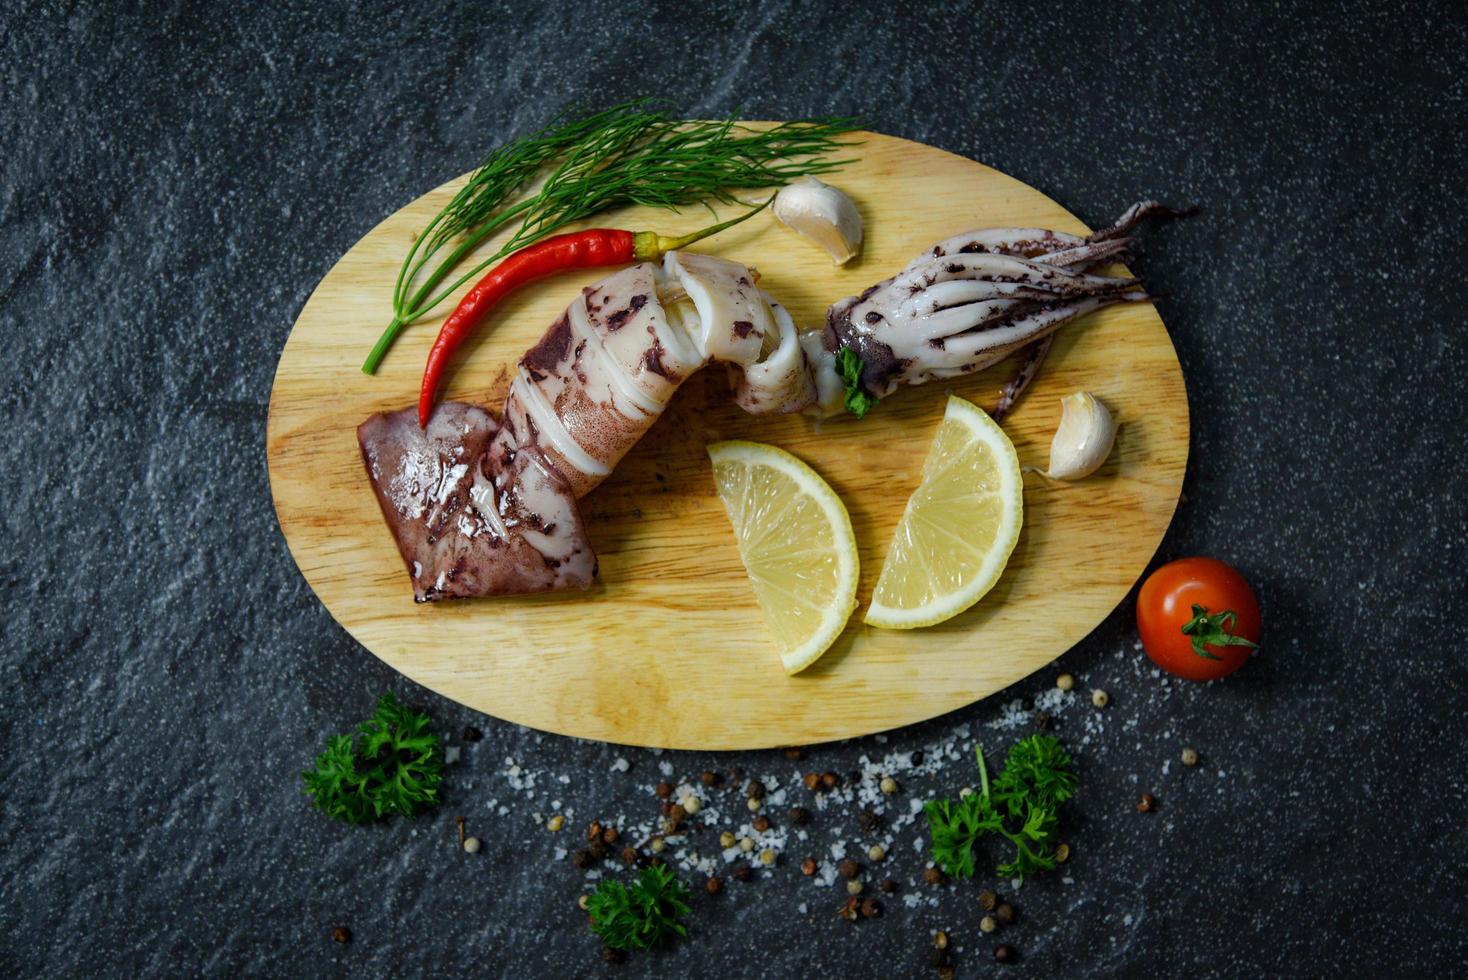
649, 246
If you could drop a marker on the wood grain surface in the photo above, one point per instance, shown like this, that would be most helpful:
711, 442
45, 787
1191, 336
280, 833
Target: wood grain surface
668, 648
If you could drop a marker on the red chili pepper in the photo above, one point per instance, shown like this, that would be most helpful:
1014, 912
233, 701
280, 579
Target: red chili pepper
587, 249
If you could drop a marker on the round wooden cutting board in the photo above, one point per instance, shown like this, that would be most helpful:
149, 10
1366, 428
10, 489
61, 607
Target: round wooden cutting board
668, 648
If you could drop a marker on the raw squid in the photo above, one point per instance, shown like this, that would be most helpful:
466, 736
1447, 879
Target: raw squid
472, 513
972, 300
479, 508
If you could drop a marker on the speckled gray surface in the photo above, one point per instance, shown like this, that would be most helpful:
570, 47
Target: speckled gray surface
175, 185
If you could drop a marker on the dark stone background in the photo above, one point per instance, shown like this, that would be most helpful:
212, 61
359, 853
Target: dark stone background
176, 183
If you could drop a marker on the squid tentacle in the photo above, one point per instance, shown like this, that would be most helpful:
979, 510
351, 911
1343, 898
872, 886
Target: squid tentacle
1034, 357
1087, 256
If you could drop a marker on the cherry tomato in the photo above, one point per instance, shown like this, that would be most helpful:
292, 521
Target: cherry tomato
1198, 619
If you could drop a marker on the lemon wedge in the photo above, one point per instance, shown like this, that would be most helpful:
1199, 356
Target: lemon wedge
959, 528
795, 540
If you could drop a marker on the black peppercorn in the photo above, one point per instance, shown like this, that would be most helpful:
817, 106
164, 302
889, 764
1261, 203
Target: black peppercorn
933, 876
849, 868
582, 859
889, 885
1004, 953
917, 757
800, 816
742, 872
629, 856
755, 790
1005, 914
341, 934
709, 778
714, 886
868, 821
598, 851
472, 734
612, 955
988, 900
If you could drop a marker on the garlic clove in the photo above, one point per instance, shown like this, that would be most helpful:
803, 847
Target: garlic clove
823, 214
1083, 439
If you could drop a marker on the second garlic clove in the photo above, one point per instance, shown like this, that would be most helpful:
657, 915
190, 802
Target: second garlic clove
1083, 439
823, 214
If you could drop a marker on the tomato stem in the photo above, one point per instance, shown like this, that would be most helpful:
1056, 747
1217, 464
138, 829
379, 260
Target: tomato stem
1215, 630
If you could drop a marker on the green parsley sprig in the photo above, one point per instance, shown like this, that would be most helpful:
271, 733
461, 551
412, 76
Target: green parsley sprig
1022, 806
643, 915
850, 366
391, 764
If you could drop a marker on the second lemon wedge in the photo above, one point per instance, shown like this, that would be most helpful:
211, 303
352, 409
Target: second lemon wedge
959, 528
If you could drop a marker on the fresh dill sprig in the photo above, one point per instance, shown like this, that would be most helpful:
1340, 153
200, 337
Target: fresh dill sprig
632, 153
1022, 805
643, 915
390, 764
